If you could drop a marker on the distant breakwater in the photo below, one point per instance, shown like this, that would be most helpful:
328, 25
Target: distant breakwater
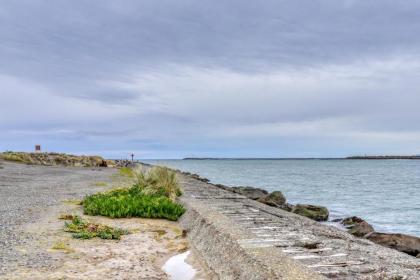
385, 157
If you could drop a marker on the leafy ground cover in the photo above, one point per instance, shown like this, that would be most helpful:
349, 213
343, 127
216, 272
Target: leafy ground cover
82, 229
131, 202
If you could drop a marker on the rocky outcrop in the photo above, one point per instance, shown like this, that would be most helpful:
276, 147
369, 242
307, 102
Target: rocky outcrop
314, 212
52, 159
250, 192
401, 242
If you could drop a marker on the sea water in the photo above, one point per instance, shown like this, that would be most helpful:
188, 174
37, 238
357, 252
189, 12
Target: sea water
386, 193
178, 269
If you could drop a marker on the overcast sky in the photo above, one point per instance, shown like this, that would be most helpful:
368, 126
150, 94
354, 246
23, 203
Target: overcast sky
170, 79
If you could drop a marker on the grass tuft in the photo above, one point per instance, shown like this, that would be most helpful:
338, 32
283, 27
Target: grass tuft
61, 246
85, 230
100, 184
126, 172
158, 181
73, 201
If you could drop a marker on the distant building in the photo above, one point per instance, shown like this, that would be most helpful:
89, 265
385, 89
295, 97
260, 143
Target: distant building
37, 148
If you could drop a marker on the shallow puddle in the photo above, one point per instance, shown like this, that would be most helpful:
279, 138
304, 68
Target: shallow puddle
178, 269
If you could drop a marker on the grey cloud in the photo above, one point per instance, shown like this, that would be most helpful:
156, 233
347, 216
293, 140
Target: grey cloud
184, 74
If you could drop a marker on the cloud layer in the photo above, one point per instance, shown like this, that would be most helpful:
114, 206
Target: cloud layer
210, 78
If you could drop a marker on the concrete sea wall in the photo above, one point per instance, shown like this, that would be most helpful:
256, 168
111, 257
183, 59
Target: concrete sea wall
240, 238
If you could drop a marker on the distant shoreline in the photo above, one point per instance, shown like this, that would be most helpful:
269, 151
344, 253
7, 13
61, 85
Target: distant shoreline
311, 158
383, 157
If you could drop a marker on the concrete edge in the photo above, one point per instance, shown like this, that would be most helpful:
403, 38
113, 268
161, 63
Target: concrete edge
217, 241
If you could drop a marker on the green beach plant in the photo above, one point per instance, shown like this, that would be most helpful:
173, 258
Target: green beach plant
82, 229
152, 195
131, 202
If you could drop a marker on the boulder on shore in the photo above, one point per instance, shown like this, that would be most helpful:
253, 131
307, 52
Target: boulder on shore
401, 242
275, 199
197, 177
250, 192
357, 226
221, 186
314, 212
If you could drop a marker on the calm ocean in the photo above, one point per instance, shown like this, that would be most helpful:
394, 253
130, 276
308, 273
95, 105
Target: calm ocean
386, 193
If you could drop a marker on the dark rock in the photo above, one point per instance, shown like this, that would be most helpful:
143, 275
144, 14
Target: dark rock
336, 220
314, 212
223, 187
357, 226
361, 229
123, 163
275, 199
250, 192
308, 245
287, 207
401, 242
349, 221
197, 177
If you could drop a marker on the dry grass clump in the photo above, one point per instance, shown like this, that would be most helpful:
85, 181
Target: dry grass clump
157, 181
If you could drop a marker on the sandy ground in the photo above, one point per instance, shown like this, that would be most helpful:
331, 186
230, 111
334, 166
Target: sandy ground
138, 255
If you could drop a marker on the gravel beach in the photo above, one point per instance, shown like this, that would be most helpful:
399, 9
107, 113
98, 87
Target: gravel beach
34, 197
26, 192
